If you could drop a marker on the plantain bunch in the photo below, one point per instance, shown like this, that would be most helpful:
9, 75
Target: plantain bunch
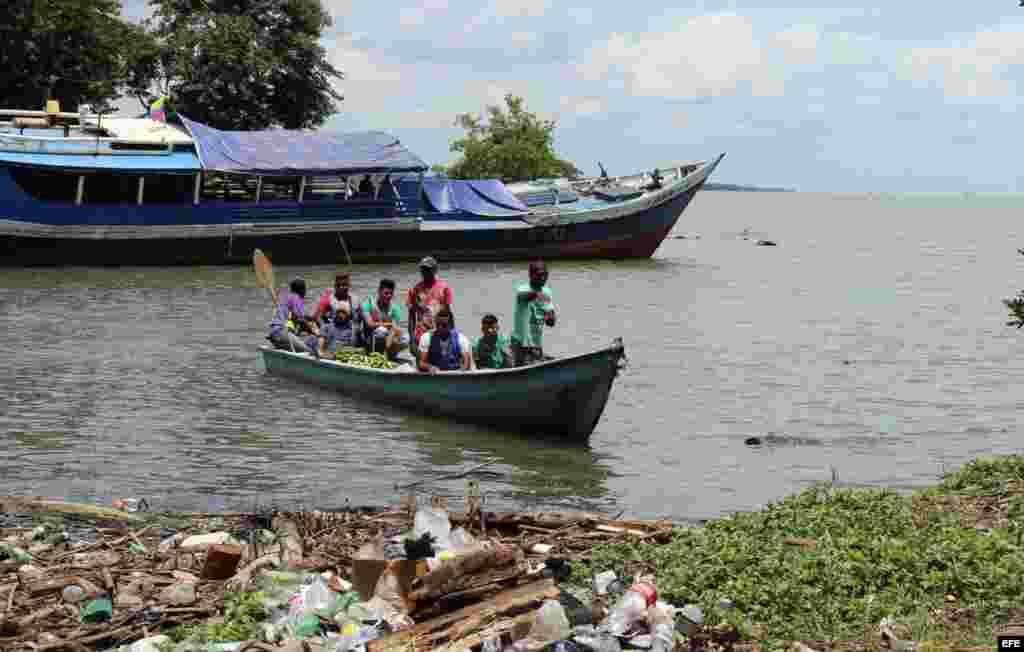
360, 358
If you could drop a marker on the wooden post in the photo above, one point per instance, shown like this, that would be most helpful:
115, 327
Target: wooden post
142, 187
198, 185
302, 188
259, 188
81, 190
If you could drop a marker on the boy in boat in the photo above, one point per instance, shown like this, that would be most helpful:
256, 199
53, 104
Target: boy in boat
290, 322
444, 348
491, 350
535, 308
340, 312
424, 300
380, 321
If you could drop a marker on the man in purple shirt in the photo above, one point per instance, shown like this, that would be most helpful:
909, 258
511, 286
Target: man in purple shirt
290, 320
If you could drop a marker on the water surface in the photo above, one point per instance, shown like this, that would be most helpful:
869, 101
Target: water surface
871, 341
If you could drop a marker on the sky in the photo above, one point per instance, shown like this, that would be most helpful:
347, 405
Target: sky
907, 96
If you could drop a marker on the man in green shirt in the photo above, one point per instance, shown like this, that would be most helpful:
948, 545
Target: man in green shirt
535, 308
381, 317
491, 350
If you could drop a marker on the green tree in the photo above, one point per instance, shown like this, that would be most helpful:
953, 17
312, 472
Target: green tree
1016, 304
74, 51
514, 145
246, 64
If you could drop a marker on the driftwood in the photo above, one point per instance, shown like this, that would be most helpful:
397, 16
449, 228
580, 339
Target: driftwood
486, 556
244, 576
467, 620
17, 505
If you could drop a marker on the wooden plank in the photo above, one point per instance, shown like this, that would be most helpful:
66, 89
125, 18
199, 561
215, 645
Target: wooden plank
17, 504
504, 602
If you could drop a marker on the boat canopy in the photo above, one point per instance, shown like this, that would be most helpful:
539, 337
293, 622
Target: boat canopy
485, 197
289, 153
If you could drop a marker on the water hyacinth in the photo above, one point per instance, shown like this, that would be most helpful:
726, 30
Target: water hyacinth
831, 563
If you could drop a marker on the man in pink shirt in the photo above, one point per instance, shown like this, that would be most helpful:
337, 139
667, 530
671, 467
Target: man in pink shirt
424, 300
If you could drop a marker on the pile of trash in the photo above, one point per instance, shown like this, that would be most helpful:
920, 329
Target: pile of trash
414, 578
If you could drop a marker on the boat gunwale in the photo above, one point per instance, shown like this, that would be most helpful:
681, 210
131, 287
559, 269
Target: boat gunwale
616, 348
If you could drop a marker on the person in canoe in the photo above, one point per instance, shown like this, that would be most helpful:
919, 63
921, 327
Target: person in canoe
381, 319
341, 328
444, 348
290, 322
340, 297
535, 308
424, 300
491, 350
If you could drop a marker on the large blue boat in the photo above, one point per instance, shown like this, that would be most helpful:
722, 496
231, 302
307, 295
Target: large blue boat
80, 189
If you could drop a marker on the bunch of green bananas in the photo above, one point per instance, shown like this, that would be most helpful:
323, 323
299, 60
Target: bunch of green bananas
361, 358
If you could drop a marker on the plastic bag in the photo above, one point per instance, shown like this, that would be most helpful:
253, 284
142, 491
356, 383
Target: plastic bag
389, 590
594, 640
434, 521
462, 540
550, 625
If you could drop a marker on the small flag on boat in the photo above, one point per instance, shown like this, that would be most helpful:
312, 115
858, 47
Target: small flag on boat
157, 111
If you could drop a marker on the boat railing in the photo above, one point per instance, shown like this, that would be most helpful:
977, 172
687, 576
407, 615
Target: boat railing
27, 144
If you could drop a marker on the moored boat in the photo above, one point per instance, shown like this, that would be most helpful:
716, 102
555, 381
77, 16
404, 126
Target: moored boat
88, 190
563, 397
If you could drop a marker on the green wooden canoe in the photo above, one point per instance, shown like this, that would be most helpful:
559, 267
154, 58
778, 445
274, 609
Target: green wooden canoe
563, 397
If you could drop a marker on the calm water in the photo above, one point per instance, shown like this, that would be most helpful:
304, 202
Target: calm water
870, 341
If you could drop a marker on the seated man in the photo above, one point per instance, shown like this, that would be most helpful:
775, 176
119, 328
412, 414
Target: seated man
290, 322
491, 350
444, 349
380, 322
339, 331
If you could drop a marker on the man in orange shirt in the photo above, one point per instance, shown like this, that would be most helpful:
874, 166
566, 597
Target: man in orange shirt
424, 300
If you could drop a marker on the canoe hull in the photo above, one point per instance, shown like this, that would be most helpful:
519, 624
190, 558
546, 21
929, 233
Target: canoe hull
563, 398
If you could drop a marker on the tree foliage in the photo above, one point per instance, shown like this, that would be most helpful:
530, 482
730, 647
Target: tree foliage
75, 51
246, 64
1016, 304
514, 145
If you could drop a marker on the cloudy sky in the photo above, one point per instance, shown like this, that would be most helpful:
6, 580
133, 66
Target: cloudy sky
901, 96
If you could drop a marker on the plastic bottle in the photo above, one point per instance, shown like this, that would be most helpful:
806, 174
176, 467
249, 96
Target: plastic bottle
664, 638
663, 634
73, 593
631, 608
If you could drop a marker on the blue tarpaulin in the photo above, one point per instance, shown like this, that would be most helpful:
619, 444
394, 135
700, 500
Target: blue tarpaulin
495, 192
438, 195
487, 198
286, 152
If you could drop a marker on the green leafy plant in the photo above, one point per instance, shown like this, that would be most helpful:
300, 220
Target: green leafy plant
830, 563
243, 619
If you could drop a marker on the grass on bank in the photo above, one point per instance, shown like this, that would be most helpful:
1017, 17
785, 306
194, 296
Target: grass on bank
828, 564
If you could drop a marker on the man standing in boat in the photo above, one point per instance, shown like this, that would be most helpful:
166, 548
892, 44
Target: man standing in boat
424, 300
535, 308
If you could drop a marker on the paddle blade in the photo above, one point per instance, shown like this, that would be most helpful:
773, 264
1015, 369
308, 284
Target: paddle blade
264, 270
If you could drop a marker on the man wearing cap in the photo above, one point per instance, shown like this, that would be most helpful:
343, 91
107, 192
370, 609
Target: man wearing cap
535, 308
424, 300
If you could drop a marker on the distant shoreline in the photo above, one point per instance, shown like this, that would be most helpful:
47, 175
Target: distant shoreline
732, 187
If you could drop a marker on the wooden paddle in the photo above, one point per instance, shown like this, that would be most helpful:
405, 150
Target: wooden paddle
265, 279
264, 273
